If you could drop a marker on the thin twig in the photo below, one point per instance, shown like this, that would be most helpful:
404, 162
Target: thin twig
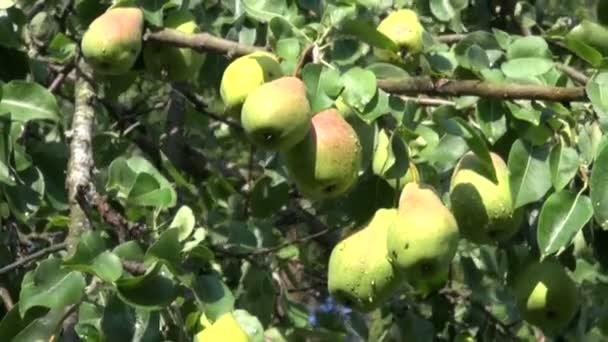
200, 42
425, 101
576, 75
34, 256
61, 76
304, 56
201, 107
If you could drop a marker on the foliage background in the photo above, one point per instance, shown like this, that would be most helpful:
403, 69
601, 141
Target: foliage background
182, 216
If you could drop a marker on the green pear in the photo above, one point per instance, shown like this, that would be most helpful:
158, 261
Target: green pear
113, 40
276, 115
359, 273
546, 296
483, 206
326, 163
225, 328
390, 162
171, 63
403, 27
423, 239
244, 75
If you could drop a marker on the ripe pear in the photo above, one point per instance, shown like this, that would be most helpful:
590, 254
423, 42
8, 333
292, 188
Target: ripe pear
113, 40
390, 162
225, 328
276, 115
483, 206
359, 273
326, 163
244, 75
423, 239
546, 296
171, 63
403, 27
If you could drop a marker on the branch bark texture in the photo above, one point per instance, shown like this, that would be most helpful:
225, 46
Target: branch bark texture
80, 163
201, 42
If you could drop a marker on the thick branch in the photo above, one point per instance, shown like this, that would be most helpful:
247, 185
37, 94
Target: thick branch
81, 156
200, 42
32, 257
447, 87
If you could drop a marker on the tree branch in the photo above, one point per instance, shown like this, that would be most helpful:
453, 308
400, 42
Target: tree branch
448, 87
201, 42
32, 257
80, 163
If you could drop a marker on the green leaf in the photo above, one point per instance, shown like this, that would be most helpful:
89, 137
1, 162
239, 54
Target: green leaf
118, 321
599, 188
28, 101
562, 216
492, 119
524, 111
41, 329
50, 286
154, 292
4, 4
597, 91
183, 221
564, 165
213, 294
367, 33
91, 256
13, 323
322, 85
167, 248
526, 67
250, 324
359, 87
530, 46
138, 182
26, 198
268, 196
530, 172
447, 10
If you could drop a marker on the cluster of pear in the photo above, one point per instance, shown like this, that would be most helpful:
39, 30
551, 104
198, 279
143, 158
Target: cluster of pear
322, 152
113, 43
416, 242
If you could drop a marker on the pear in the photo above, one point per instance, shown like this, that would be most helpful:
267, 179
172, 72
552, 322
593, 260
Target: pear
326, 163
276, 115
244, 75
546, 296
171, 63
403, 27
483, 206
113, 40
359, 273
423, 239
225, 328
390, 162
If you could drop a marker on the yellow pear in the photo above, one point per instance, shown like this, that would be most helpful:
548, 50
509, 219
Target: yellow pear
244, 75
359, 273
403, 27
423, 239
225, 328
